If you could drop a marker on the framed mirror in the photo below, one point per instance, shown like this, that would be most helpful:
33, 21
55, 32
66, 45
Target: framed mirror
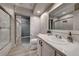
62, 18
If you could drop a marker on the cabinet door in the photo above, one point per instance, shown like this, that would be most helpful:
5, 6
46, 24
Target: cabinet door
58, 53
39, 47
47, 50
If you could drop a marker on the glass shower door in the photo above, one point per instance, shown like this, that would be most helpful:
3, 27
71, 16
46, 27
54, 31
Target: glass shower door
4, 29
25, 29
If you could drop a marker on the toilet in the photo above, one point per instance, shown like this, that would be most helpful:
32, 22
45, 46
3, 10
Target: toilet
33, 43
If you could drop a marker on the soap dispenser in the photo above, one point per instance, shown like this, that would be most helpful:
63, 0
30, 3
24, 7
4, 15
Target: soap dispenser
49, 32
70, 39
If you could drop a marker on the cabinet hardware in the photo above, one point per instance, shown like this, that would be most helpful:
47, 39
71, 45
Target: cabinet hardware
0, 27
40, 42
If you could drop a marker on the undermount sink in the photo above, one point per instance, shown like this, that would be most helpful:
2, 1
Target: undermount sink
57, 40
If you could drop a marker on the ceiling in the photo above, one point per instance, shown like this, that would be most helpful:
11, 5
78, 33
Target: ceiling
34, 8
26, 5
42, 7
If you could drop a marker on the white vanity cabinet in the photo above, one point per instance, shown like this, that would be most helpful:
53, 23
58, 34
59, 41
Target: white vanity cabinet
44, 49
47, 50
39, 47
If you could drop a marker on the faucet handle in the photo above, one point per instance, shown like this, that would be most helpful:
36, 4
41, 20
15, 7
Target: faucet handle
60, 37
70, 33
56, 35
70, 39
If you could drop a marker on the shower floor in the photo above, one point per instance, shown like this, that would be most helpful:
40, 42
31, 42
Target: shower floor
25, 39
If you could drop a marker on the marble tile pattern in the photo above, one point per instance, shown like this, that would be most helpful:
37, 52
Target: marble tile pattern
22, 50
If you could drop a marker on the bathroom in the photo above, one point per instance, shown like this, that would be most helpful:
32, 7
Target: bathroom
39, 29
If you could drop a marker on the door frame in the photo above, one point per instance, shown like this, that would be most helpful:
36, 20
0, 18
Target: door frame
16, 25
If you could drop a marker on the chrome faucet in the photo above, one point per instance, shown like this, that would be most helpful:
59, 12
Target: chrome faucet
58, 36
70, 39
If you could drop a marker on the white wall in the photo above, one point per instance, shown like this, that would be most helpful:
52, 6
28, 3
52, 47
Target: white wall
18, 30
44, 22
76, 20
34, 26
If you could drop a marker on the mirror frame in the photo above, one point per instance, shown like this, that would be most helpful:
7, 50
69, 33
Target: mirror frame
50, 27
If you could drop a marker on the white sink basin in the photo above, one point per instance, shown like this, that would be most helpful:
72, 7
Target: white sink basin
58, 41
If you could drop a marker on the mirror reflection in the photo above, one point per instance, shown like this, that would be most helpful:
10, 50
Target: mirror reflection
62, 18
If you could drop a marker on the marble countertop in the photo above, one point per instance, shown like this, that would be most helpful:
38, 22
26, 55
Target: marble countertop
69, 49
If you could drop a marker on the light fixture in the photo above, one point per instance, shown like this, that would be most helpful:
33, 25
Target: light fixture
38, 12
63, 12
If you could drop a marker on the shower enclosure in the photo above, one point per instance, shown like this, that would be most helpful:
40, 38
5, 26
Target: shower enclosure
25, 29
22, 29
5, 28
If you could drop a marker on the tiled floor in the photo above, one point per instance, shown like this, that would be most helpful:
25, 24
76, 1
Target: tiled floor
23, 50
